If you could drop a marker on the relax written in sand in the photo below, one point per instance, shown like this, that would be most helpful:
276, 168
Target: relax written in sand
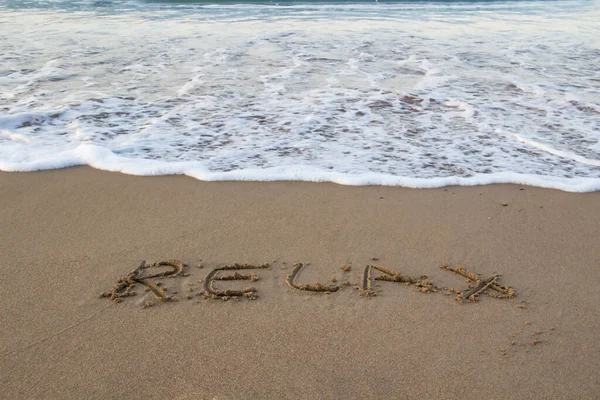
153, 283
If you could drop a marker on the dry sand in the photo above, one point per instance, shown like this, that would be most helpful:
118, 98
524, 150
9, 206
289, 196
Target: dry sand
67, 235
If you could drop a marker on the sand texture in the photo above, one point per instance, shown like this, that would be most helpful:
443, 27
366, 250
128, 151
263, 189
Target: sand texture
117, 286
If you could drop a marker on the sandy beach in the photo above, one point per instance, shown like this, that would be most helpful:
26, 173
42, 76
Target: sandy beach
67, 235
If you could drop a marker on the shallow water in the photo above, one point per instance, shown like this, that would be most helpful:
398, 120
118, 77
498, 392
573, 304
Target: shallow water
411, 94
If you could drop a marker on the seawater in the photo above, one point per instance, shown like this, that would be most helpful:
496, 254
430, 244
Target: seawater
389, 93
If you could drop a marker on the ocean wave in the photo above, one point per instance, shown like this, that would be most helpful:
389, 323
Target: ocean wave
468, 98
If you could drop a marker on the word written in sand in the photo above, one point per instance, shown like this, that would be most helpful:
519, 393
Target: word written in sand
153, 283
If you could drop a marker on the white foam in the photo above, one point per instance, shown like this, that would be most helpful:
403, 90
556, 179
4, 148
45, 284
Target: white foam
15, 136
101, 158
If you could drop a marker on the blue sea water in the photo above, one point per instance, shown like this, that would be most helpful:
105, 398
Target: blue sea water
418, 94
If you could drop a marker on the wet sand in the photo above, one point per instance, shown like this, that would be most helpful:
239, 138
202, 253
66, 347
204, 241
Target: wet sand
67, 235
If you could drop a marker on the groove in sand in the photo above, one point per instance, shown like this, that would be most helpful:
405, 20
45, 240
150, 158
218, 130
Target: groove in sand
317, 287
124, 285
212, 292
390, 275
236, 276
365, 282
472, 294
490, 283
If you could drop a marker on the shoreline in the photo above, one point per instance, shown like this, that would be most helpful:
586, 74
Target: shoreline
102, 159
69, 234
